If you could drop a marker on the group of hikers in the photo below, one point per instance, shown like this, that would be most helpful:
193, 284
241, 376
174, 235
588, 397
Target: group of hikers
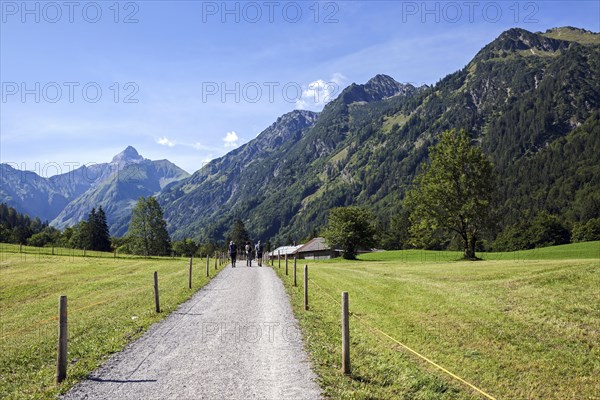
249, 251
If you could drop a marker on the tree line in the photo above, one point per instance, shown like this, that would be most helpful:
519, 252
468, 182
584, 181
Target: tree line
16, 227
452, 204
147, 234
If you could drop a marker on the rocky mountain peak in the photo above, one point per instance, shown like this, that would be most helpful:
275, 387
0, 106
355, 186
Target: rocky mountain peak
383, 86
127, 156
287, 127
305, 116
516, 40
377, 88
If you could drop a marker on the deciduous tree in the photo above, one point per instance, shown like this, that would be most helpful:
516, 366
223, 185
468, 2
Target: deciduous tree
186, 247
350, 228
148, 229
454, 193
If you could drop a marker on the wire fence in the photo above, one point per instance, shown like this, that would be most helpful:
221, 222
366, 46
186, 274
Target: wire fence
363, 321
105, 313
33, 253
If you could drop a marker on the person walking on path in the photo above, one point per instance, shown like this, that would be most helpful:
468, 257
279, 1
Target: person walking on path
248, 254
232, 253
259, 253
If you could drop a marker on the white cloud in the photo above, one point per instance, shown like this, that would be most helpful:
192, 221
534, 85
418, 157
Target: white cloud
200, 146
320, 92
338, 78
165, 142
231, 139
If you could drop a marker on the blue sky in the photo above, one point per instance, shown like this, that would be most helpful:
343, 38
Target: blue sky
190, 80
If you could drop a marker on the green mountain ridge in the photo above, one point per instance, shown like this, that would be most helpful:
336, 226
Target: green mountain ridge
522, 96
530, 100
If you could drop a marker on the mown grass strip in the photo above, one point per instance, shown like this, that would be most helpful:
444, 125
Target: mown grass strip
110, 304
515, 329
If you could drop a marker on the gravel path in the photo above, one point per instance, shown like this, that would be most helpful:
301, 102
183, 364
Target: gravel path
235, 339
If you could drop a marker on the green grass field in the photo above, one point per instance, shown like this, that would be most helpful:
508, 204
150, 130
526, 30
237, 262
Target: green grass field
110, 303
522, 325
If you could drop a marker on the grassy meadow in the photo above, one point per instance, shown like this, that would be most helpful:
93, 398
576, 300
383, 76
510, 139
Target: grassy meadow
110, 303
522, 325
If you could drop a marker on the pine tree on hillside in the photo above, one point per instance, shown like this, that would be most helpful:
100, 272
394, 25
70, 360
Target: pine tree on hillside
16, 227
91, 232
102, 233
239, 234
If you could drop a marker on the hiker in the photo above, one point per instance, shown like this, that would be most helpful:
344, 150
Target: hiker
259, 253
232, 253
248, 254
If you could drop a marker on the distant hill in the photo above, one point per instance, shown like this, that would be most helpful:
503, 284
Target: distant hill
68, 198
46, 197
531, 100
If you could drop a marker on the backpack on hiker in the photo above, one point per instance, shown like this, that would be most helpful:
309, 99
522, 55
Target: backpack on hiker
232, 252
259, 253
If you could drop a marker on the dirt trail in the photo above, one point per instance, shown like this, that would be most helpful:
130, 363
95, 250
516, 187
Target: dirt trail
235, 339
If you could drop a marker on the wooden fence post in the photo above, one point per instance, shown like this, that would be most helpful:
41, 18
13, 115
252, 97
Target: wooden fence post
278, 259
345, 335
305, 286
286, 264
207, 264
190, 277
61, 359
157, 303
295, 282
216, 258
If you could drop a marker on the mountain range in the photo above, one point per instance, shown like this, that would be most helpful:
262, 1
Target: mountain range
67, 198
530, 100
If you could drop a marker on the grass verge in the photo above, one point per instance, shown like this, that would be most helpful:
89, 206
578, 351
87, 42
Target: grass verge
110, 303
516, 328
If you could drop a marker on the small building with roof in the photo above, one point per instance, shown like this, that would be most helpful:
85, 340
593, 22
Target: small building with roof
317, 249
282, 251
